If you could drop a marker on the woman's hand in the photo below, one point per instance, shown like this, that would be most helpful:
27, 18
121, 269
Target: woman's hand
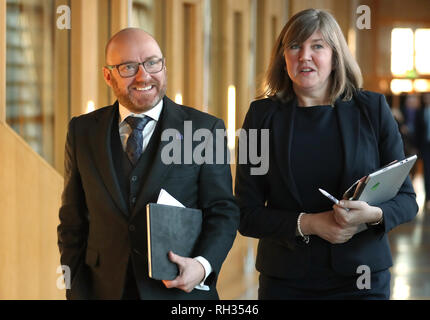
325, 226
358, 212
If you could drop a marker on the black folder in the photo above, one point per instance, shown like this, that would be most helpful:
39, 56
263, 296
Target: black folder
170, 228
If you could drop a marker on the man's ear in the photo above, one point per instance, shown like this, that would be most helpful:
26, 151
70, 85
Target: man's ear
107, 76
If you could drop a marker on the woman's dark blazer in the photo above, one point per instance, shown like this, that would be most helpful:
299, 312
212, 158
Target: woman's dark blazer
270, 204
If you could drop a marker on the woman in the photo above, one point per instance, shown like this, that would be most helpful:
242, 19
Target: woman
324, 133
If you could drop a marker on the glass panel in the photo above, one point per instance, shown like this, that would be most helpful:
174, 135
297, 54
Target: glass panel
143, 15
422, 51
29, 72
401, 85
402, 51
422, 85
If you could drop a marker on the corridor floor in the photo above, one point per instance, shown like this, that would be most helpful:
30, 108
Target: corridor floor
410, 247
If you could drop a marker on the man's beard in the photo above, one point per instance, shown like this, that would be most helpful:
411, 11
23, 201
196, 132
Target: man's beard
129, 102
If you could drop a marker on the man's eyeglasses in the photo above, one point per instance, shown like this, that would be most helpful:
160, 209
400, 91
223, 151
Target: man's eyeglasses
130, 69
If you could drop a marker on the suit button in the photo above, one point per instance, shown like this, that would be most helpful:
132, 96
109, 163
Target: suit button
132, 227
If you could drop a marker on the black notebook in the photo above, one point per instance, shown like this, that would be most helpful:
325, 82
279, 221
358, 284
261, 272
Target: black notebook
170, 228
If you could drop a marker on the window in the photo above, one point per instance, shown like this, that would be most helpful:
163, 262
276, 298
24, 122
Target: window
29, 72
422, 51
410, 65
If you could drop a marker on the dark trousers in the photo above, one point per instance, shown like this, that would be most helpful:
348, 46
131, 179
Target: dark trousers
130, 288
339, 288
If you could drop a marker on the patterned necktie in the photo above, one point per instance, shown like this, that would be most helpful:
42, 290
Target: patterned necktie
135, 139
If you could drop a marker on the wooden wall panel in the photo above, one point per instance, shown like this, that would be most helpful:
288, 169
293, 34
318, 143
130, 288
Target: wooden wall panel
230, 64
184, 50
61, 91
119, 15
341, 10
374, 45
104, 95
271, 18
31, 191
84, 57
231, 52
412, 11
241, 52
299, 5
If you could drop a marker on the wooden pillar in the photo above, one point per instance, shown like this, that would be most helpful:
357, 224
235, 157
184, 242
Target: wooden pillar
231, 53
46, 94
231, 62
119, 15
89, 35
84, 55
271, 18
104, 95
184, 50
62, 93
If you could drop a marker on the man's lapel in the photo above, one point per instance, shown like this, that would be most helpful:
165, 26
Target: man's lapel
100, 140
172, 117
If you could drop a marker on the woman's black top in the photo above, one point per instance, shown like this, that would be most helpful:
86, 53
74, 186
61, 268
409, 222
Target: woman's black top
317, 162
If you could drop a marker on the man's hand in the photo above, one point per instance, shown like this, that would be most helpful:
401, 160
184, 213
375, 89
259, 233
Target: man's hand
191, 273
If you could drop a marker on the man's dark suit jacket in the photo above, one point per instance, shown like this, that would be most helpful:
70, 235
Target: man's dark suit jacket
97, 235
270, 204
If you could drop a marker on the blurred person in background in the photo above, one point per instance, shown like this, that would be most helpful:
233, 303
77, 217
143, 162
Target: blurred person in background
410, 109
422, 140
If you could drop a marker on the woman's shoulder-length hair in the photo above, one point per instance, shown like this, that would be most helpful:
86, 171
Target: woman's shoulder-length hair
346, 76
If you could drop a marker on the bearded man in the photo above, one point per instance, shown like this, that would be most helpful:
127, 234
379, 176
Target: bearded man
114, 168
